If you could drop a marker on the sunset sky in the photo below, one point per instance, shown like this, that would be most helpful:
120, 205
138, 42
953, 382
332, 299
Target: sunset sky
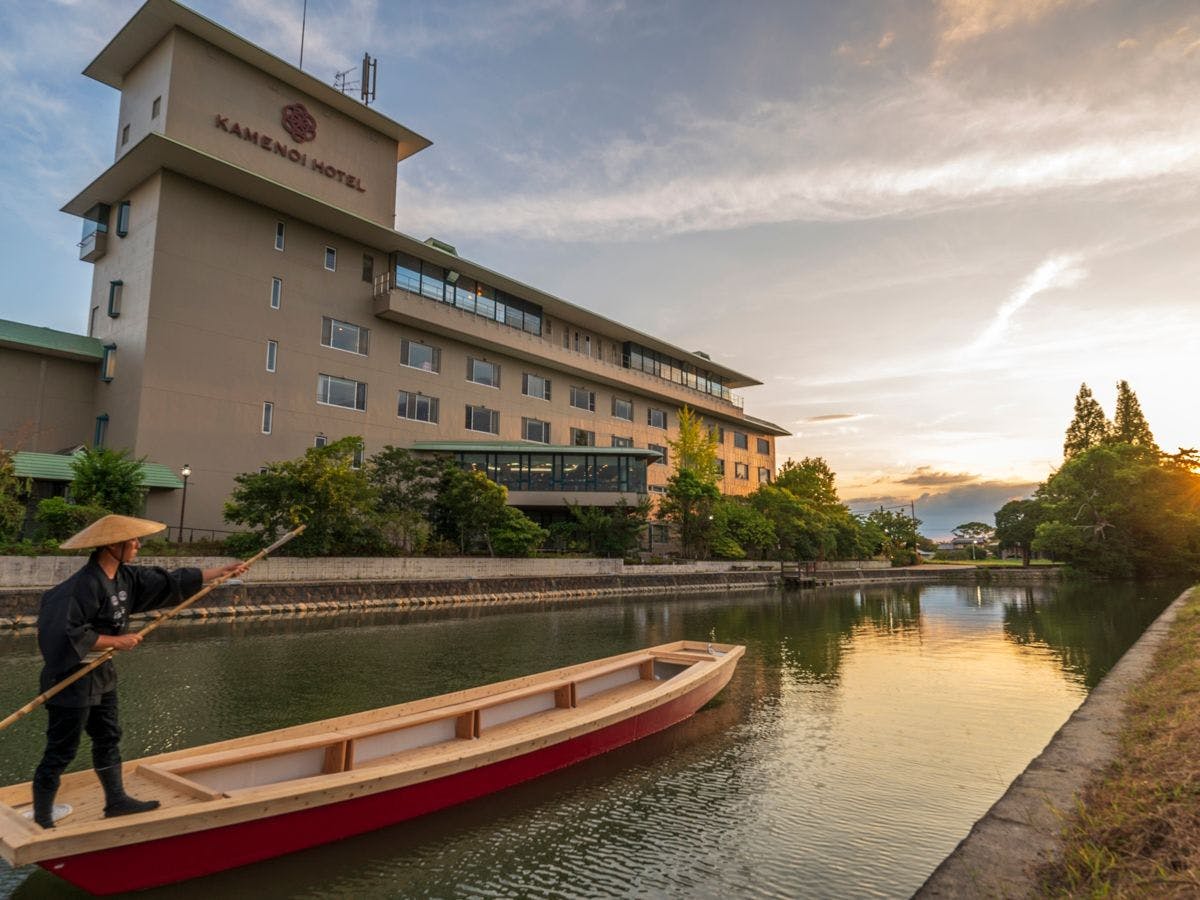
920, 224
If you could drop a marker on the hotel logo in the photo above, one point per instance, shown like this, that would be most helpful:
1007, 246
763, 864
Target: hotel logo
299, 123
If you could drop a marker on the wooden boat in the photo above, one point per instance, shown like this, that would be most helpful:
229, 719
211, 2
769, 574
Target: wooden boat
256, 797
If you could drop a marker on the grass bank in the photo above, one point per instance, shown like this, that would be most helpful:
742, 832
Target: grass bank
1136, 831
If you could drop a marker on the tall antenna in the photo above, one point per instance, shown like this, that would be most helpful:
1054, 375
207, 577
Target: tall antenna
303, 22
370, 68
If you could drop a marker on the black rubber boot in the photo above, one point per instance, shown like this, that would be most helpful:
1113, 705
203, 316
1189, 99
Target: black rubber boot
116, 801
43, 805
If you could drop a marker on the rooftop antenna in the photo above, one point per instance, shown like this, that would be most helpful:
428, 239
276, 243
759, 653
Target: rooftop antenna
370, 69
340, 82
303, 22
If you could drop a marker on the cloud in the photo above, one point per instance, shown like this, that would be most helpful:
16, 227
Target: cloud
924, 476
919, 148
940, 512
1056, 272
833, 417
963, 21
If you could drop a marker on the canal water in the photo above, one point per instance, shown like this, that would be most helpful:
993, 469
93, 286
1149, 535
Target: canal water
862, 735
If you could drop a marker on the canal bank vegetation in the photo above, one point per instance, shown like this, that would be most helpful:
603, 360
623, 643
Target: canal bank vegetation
1119, 506
1136, 831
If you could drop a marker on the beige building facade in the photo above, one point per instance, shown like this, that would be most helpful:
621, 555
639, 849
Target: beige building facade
252, 297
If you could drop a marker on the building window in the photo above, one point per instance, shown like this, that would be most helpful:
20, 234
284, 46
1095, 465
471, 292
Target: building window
718, 434
268, 416
764, 475
344, 336
764, 446
124, 135
535, 386
418, 407
123, 218
622, 409
535, 430
483, 372
581, 437
368, 268
108, 364
720, 467
658, 488
276, 292
661, 450
320, 440
740, 441
622, 441
272, 353
92, 321
656, 418
416, 355
360, 452
156, 107
344, 392
101, 431
566, 339
741, 471
480, 418
279, 234
115, 289
583, 399
330, 259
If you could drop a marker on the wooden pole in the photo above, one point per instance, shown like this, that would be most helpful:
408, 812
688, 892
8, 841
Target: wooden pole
162, 617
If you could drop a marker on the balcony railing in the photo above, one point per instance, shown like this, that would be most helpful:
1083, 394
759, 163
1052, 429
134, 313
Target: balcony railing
384, 284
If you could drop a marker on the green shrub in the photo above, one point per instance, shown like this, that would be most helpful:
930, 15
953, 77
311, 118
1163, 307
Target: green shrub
57, 519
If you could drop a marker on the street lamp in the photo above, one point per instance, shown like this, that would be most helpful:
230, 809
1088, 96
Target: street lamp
185, 472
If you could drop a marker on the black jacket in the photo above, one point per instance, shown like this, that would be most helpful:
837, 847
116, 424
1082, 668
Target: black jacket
75, 613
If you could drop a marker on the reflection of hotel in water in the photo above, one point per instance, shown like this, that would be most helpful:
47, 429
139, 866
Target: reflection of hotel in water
251, 298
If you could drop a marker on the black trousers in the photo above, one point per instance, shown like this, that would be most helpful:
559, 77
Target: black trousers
66, 726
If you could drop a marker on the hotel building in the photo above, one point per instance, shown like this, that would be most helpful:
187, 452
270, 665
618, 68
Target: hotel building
251, 297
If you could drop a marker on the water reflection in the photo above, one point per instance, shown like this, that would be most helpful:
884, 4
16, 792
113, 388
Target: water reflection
863, 733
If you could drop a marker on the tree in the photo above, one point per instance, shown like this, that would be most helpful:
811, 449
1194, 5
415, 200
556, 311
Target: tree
109, 479
468, 506
405, 488
1090, 426
810, 479
321, 490
688, 505
12, 510
1129, 425
1016, 526
609, 531
515, 534
1118, 511
58, 519
899, 535
695, 448
742, 530
975, 532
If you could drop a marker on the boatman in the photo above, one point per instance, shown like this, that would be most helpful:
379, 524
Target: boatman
87, 613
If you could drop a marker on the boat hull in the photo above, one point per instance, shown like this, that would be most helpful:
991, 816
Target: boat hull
167, 860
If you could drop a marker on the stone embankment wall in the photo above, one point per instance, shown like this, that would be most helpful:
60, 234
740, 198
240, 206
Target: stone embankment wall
286, 585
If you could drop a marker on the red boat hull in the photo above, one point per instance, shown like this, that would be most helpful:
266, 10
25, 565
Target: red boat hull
167, 860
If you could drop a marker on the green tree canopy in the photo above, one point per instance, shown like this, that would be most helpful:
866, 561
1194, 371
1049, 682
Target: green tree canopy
688, 505
609, 531
109, 479
811, 479
1118, 511
695, 448
405, 488
12, 510
1129, 424
322, 490
1016, 526
1089, 428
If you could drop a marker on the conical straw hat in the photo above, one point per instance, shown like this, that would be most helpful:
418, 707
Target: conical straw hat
111, 530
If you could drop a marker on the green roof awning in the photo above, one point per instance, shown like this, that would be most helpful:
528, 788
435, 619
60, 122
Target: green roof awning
57, 343
57, 467
530, 447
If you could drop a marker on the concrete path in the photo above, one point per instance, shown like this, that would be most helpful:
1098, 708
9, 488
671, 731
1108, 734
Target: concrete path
1021, 831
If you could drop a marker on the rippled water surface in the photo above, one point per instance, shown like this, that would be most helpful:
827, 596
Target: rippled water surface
863, 733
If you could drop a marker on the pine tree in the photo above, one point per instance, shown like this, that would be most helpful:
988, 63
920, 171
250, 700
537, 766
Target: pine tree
1129, 425
1090, 426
